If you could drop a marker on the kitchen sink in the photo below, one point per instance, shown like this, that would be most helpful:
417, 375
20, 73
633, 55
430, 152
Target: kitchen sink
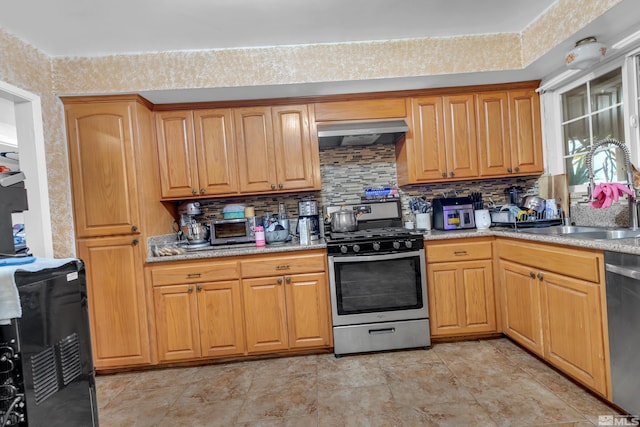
579, 232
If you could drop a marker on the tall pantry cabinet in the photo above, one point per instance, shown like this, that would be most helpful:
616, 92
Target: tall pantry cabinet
113, 177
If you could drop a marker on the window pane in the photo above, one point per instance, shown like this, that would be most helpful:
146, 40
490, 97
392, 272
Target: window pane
576, 136
574, 103
576, 170
608, 124
606, 90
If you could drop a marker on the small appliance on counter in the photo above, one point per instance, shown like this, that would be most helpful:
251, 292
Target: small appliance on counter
308, 210
453, 213
192, 233
13, 199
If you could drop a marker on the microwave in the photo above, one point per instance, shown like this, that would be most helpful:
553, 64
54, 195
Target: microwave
232, 231
453, 213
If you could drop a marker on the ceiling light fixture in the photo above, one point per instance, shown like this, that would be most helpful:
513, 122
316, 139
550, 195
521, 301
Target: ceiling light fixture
626, 41
585, 54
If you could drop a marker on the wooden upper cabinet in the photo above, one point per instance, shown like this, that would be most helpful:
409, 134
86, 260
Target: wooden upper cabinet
196, 153
275, 149
509, 140
427, 158
526, 138
387, 108
460, 136
216, 152
256, 157
176, 154
101, 140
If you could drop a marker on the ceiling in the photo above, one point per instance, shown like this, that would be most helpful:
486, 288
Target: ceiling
91, 28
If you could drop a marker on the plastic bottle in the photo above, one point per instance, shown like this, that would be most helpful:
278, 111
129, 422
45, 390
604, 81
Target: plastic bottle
260, 236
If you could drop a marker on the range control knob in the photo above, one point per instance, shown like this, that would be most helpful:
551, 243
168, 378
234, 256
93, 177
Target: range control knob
408, 243
396, 245
344, 249
376, 246
356, 248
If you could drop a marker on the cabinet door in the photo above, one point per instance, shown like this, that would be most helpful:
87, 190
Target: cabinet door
215, 152
177, 154
265, 314
461, 298
256, 157
521, 305
308, 310
460, 136
526, 139
573, 329
220, 316
493, 134
103, 175
429, 157
177, 332
295, 159
117, 305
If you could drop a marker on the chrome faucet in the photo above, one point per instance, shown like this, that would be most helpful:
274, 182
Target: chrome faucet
633, 203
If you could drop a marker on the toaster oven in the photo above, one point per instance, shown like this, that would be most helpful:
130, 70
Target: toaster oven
232, 231
453, 213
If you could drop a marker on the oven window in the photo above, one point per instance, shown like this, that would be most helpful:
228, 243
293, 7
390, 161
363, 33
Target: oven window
373, 286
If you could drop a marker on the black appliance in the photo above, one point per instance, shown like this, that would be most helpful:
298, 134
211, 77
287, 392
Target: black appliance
377, 282
453, 213
47, 376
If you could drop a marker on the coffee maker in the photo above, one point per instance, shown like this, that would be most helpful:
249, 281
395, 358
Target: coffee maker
309, 209
192, 233
14, 199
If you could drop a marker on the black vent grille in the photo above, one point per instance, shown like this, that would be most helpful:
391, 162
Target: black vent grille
70, 364
45, 374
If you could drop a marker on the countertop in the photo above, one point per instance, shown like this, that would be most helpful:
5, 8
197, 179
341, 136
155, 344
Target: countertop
630, 246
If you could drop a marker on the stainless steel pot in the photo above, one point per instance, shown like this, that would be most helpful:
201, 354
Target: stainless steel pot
535, 203
344, 220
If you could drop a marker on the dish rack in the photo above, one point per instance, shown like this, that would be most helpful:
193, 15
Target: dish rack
507, 218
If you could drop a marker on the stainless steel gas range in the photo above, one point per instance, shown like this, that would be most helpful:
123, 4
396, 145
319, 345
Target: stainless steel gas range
378, 283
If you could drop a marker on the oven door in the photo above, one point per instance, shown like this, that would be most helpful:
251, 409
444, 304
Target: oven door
378, 288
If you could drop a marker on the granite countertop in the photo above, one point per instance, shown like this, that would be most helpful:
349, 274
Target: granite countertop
631, 246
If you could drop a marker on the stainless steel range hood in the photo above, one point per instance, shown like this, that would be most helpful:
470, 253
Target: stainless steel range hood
360, 133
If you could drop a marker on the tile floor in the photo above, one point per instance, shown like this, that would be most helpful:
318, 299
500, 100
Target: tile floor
473, 383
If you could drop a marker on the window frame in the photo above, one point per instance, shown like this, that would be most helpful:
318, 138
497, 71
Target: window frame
551, 104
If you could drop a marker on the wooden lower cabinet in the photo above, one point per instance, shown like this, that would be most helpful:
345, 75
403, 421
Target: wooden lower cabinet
553, 304
198, 320
308, 310
117, 304
266, 314
461, 288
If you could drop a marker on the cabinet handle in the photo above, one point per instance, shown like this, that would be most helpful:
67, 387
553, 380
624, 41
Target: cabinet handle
273, 186
193, 275
517, 169
287, 279
279, 281
283, 267
135, 242
540, 276
532, 274
451, 174
202, 191
134, 228
444, 174
460, 253
193, 191
509, 170
190, 289
199, 288
280, 186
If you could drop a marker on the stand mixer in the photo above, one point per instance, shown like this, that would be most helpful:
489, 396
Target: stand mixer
192, 233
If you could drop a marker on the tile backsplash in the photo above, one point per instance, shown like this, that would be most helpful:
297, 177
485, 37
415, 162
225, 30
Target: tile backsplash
347, 171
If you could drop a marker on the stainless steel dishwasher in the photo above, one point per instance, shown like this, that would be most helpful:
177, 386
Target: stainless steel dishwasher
623, 310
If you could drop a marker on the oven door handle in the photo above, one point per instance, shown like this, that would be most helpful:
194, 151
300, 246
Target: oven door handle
381, 257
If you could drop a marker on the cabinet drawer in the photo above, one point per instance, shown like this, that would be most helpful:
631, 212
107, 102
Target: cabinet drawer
276, 266
573, 262
195, 273
466, 251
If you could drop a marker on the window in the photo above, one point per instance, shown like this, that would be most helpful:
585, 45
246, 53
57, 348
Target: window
592, 112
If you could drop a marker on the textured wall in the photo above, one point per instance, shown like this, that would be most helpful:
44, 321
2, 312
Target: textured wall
24, 66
